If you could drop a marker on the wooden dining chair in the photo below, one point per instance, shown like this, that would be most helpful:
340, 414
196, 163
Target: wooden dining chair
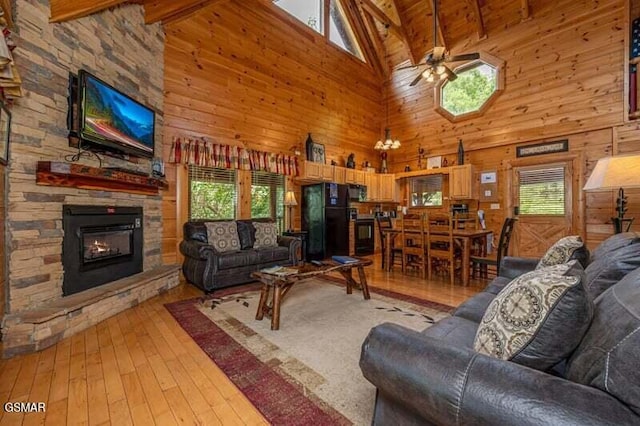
481, 263
441, 245
414, 242
384, 222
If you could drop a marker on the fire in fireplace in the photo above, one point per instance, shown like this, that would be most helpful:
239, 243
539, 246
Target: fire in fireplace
101, 244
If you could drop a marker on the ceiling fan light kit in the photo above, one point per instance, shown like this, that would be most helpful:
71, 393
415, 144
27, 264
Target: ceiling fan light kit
437, 59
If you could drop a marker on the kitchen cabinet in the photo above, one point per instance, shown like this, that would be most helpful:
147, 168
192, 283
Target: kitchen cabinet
354, 177
461, 182
372, 184
386, 187
312, 170
326, 171
339, 174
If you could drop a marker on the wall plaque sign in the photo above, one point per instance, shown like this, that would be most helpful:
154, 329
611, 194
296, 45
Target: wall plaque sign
543, 148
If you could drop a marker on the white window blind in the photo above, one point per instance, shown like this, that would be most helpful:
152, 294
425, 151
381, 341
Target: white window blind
426, 191
212, 193
541, 191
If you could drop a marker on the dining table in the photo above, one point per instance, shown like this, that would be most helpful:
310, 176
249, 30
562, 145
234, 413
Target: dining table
465, 237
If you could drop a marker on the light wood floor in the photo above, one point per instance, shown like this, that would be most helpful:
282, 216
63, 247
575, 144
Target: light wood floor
140, 367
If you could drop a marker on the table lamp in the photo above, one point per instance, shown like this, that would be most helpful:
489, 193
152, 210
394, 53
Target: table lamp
616, 173
290, 201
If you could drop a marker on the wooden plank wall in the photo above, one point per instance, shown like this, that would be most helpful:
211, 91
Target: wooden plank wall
3, 254
564, 79
246, 73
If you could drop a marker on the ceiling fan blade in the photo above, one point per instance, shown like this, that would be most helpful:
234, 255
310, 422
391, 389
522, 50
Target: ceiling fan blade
464, 57
450, 74
421, 64
416, 80
438, 52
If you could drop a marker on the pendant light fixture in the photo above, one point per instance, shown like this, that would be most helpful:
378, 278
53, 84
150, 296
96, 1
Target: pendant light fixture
388, 142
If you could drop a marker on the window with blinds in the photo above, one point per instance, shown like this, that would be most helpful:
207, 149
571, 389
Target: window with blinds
426, 191
541, 191
267, 196
212, 193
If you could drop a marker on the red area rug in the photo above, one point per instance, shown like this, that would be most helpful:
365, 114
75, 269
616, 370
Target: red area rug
279, 397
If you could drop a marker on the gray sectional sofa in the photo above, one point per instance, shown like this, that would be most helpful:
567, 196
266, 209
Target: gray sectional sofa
209, 269
436, 378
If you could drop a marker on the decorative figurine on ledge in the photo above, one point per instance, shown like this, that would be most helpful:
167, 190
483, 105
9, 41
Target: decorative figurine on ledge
351, 163
421, 154
383, 165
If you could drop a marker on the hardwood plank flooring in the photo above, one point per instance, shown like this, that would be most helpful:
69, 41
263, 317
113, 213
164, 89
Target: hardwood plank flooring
141, 367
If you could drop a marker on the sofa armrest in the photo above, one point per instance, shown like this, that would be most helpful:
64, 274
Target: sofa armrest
197, 249
294, 244
513, 267
445, 384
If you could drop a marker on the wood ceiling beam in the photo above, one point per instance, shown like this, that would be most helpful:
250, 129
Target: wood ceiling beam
374, 35
440, 25
362, 36
394, 28
413, 55
66, 10
363, 40
168, 11
525, 10
475, 5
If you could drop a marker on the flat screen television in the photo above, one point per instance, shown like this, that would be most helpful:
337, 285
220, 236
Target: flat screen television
109, 120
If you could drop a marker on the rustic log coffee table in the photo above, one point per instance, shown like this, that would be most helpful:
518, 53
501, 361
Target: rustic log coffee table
275, 286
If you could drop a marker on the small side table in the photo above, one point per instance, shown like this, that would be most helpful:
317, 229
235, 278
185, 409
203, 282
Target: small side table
303, 235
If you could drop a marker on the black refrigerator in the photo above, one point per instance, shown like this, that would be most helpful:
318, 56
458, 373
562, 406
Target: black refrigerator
325, 218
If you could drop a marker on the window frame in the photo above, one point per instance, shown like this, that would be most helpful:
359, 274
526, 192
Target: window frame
410, 183
494, 62
192, 170
274, 203
325, 31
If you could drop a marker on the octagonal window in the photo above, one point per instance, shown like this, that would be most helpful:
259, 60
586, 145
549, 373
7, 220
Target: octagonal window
478, 84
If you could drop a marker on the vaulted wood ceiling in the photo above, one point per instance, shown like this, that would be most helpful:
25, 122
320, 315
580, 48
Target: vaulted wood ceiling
391, 32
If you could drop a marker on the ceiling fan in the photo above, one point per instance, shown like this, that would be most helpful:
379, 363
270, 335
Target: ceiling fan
438, 57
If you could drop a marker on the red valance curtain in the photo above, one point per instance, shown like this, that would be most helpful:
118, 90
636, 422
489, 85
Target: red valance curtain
200, 152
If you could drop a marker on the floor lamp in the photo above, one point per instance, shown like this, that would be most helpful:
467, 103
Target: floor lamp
616, 173
290, 201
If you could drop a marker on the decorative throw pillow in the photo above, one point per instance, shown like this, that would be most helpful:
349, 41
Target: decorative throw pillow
223, 236
561, 251
538, 319
266, 234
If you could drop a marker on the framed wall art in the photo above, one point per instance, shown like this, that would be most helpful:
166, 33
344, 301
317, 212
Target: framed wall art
317, 153
5, 131
434, 162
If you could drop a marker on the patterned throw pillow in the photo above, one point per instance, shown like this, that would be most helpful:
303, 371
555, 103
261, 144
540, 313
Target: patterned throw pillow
561, 251
266, 234
538, 319
223, 236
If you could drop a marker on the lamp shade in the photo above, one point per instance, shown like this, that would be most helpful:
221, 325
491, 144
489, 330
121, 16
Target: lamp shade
290, 199
615, 172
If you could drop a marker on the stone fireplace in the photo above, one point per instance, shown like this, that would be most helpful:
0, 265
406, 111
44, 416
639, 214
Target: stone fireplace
100, 244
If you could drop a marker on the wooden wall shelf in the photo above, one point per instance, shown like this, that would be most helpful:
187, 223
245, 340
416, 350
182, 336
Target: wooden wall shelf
54, 173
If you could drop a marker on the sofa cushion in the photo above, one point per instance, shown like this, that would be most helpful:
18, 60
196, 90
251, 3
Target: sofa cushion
538, 319
246, 233
195, 230
474, 308
611, 261
497, 285
238, 259
223, 236
561, 251
266, 234
272, 254
456, 331
608, 356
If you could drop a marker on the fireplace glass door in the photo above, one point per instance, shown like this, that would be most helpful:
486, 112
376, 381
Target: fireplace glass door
106, 244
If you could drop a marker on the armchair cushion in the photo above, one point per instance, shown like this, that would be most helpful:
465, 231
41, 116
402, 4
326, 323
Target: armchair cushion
538, 319
561, 251
608, 356
246, 233
266, 235
223, 236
